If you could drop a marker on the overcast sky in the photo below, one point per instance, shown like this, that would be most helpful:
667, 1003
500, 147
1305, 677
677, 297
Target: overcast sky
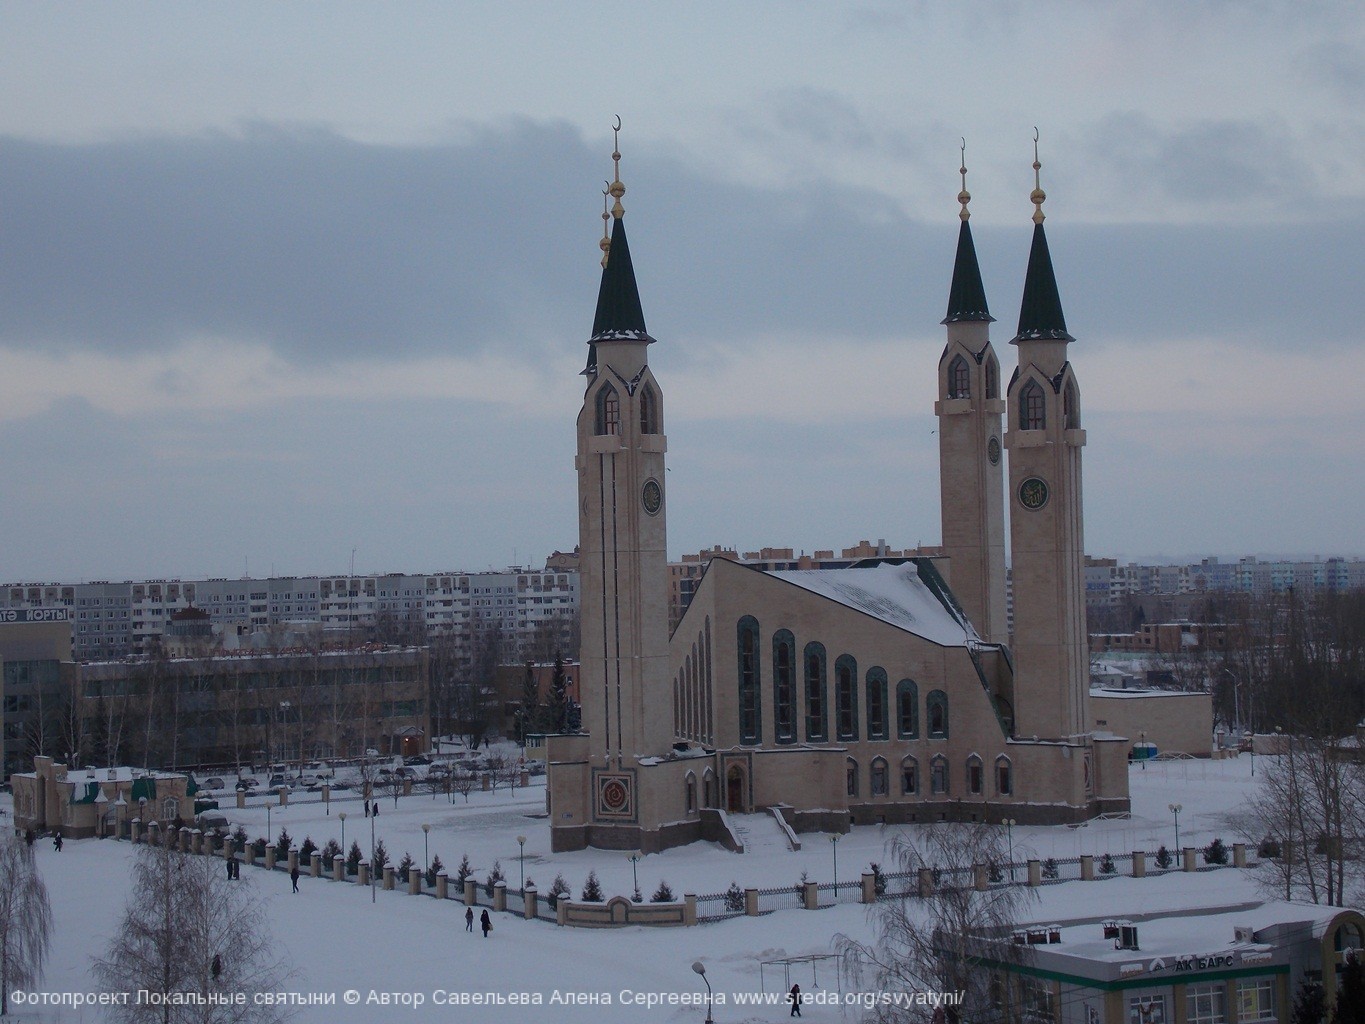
283, 281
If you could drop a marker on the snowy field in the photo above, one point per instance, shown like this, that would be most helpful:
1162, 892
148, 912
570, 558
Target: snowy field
338, 941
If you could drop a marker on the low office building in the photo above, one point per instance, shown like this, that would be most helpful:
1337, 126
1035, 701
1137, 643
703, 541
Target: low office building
1175, 721
96, 801
1232, 965
36, 679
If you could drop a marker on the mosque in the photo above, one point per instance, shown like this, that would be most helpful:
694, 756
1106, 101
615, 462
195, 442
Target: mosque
888, 691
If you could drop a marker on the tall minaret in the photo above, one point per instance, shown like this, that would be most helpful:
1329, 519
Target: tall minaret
971, 477
624, 677
1044, 440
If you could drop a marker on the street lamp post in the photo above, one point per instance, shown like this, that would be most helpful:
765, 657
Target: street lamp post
834, 844
372, 865
426, 857
700, 968
1142, 745
1251, 745
267, 823
1176, 809
1009, 824
521, 842
634, 859
342, 816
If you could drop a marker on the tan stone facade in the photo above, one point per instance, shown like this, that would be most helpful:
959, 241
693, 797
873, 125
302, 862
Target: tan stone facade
1174, 721
95, 802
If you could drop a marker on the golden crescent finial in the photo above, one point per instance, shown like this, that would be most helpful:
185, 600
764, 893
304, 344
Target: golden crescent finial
1038, 195
616, 188
964, 197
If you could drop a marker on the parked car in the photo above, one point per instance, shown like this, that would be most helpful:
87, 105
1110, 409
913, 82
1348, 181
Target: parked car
416, 760
209, 820
213, 782
248, 782
276, 781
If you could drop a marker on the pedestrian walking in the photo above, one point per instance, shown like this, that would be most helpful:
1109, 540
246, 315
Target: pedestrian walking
486, 924
228, 862
294, 877
795, 996
469, 919
57, 841
236, 868
366, 804
374, 812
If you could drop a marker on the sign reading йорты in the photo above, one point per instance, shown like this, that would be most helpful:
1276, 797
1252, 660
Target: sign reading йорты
35, 614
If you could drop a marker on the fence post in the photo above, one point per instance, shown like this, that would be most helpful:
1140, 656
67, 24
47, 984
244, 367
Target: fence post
500, 895
751, 902
338, 868
1239, 855
1087, 867
284, 796
1035, 873
442, 885
1139, 864
389, 872
135, 827
414, 880
250, 854
293, 861
562, 911
241, 799
270, 858
528, 898
926, 883
811, 895
690, 907
471, 893
869, 891
1190, 864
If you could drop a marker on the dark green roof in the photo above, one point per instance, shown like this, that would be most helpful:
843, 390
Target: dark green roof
619, 314
967, 297
1040, 314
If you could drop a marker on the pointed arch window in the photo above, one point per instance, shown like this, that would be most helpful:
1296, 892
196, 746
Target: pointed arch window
876, 703
880, 776
649, 410
992, 378
1004, 776
959, 379
708, 788
608, 411
1071, 406
852, 777
938, 775
690, 794
784, 686
846, 697
907, 709
749, 708
976, 776
909, 776
817, 713
936, 707
1032, 407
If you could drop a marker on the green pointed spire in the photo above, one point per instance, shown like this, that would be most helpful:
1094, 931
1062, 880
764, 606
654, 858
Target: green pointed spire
967, 297
619, 314
1040, 313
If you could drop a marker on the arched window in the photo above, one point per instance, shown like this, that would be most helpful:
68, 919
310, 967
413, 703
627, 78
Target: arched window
170, 808
749, 722
1032, 407
608, 411
880, 777
959, 379
1071, 406
907, 709
690, 794
936, 706
852, 777
938, 774
876, 703
909, 776
976, 776
708, 788
1004, 778
784, 686
817, 713
649, 411
992, 378
846, 697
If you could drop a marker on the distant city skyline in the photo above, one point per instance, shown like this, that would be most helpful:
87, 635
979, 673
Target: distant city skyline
283, 281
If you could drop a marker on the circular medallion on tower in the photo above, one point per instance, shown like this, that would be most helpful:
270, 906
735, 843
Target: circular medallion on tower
652, 496
1033, 493
615, 796
993, 451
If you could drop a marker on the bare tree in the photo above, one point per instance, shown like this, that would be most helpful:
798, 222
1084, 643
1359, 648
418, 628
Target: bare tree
188, 935
463, 782
945, 942
25, 919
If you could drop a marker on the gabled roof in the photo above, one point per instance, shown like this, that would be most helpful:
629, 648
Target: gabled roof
619, 314
1040, 312
967, 296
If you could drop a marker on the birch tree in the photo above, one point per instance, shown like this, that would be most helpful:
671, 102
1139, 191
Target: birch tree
25, 919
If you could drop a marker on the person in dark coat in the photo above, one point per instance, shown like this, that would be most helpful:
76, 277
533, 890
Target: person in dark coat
228, 862
366, 805
57, 841
294, 877
469, 919
374, 812
29, 836
795, 996
485, 924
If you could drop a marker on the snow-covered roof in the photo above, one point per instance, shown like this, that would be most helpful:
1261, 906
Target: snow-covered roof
1131, 693
892, 592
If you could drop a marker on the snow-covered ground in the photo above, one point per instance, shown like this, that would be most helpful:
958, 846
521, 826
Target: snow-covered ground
338, 941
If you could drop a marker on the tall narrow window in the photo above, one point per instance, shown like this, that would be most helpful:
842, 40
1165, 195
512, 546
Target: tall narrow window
936, 706
959, 379
1071, 406
817, 714
1032, 407
1004, 776
938, 774
909, 776
992, 378
691, 792
608, 411
852, 777
784, 686
876, 703
976, 781
907, 709
748, 680
846, 697
879, 777
649, 411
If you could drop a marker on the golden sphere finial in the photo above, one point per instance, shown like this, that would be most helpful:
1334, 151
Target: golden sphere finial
964, 197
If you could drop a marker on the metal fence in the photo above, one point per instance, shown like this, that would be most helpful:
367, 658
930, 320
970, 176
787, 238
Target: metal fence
783, 897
